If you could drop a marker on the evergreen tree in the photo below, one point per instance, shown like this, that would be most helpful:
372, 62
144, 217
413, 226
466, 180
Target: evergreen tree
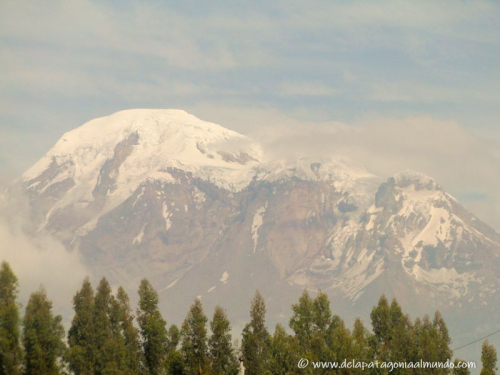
489, 359
173, 338
313, 325
341, 345
221, 353
322, 315
128, 332
194, 340
402, 340
302, 319
283, 353
430, 342
393, 332
109, 343
10, 351
462, 370
442, 339
255, 340
81, 335
361, 349
425, 343
175, 364
43, 336
323, 327
152, 328
381, 321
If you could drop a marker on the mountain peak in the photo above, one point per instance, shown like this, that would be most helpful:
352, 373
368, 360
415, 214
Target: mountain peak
152, 137
419, 180
152, 126
107, 158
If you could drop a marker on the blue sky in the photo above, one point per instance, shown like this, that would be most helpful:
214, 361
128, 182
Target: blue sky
394, 84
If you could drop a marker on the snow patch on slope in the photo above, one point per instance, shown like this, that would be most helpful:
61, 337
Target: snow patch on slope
224, 277
138, 239
138, 196
433, 231
446, 279
166, 215
258, 219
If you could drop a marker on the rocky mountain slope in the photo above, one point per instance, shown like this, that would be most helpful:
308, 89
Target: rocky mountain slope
199, 210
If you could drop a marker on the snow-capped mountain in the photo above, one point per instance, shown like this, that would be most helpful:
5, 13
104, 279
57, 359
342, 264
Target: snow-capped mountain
96, 167
200, 211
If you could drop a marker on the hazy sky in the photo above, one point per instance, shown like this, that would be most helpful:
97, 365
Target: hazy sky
394, 84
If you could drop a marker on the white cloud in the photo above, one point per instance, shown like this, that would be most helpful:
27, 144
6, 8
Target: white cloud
39, 259
141, 29
439, 16
417, 92
306, 89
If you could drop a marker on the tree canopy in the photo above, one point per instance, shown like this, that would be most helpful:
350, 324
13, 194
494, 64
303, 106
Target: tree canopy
103, 339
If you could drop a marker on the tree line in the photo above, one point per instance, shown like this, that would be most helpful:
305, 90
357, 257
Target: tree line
104, 340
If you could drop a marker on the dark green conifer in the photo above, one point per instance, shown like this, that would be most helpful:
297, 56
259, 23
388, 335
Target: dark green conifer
443, 338
393, 332
340, 348
109, 343
440, 341
43, 336
381, 323
221, 352
152, 328
255, 341
302, 320
322, 315
489, 359
10, 350
283, 350
128, 332
81, 335
175, 364
194, 340
461, 370
361, 349
425, 342
173, 338
322, 328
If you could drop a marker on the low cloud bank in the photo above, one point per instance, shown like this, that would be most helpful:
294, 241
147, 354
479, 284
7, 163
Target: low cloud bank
39, 259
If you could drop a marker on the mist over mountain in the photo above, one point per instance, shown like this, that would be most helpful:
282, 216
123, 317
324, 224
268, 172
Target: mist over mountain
204, 212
